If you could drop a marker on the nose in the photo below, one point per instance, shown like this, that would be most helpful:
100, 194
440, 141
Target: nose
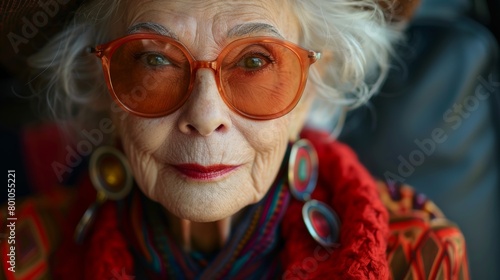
204, 112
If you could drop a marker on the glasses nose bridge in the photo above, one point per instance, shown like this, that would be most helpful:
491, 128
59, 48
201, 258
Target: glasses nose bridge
200, 64
204, 64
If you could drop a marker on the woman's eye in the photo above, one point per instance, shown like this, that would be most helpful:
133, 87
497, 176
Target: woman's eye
253, 62
156, 60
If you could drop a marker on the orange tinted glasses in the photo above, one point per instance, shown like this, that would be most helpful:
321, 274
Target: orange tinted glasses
151, 75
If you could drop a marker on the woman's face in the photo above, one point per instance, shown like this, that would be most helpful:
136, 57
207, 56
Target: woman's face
205, 162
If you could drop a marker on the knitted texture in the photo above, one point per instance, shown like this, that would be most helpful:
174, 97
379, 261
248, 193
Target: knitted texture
351, 191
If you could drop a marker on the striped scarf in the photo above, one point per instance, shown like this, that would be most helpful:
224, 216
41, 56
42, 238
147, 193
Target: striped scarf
252, 251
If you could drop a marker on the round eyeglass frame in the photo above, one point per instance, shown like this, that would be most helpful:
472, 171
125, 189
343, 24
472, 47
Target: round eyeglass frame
306, 58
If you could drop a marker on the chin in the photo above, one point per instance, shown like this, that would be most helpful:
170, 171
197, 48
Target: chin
195, 214
200, 202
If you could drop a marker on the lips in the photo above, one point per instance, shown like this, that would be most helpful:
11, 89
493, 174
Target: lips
204, 173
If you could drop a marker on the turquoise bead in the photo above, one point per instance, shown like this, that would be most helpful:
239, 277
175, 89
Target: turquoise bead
302, 169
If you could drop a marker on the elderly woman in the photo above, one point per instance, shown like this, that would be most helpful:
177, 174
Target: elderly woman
192, 116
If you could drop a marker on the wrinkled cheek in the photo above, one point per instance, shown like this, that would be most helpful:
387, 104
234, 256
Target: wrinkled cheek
143, 166
268, 162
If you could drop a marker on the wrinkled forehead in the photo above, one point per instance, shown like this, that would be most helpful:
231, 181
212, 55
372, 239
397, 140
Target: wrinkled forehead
195, 21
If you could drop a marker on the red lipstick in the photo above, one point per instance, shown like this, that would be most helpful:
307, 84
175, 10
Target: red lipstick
200, 172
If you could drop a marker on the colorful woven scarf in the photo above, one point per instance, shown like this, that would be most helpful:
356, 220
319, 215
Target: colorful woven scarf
251, 252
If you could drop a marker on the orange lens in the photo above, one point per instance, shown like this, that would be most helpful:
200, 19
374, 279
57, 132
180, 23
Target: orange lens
261, 80
150, 77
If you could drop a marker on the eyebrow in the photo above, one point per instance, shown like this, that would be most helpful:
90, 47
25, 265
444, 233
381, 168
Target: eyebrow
246, 29
152, 27
239, 30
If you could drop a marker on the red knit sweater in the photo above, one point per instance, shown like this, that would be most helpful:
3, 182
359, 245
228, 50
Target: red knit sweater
351, 191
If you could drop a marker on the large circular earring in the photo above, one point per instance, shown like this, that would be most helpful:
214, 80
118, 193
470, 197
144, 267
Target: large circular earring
320, 219
111, 176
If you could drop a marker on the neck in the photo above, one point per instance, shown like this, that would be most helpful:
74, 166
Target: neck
203, 237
